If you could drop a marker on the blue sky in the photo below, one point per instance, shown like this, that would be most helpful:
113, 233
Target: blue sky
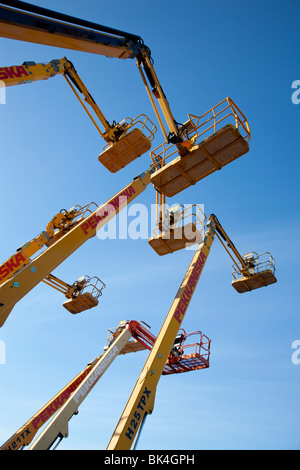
203, 52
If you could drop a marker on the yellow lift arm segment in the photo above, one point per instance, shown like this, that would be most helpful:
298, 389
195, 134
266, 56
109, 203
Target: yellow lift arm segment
141, 401
34, 24
16, 287
31, 23
30, 72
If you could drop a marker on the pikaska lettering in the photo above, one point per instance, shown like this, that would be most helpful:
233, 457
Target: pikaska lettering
11, 265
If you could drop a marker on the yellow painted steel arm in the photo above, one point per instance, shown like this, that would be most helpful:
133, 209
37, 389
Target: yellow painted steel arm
220, 231
16, 287
23, 255
25, 22
30, 72
30, 23
141, 401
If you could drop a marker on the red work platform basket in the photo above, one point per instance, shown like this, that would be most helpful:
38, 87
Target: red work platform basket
186, 356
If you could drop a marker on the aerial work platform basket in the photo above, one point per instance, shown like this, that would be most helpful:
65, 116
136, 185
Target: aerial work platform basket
261, 273
224, 134
180, 228
142, 337
134, 142
81, 301
187, 355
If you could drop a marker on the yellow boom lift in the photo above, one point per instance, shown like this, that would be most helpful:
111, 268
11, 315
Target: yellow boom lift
167, 356
184, 356
166, 351
64, 234
126, 140
191, 151
141, 401
181, 227
200, 146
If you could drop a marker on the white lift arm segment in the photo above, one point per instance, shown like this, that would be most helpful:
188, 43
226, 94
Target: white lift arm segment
58, 426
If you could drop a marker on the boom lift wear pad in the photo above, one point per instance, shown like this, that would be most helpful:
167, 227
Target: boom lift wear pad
128, 148
216, 151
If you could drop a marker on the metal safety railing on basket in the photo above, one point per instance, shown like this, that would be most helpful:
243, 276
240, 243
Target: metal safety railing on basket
178, 217
257, 264
94, 286
200, 348
204, 126
188, 356
141, 122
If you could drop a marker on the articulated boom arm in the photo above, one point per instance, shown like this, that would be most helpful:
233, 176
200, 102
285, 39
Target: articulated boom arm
221, 233
146, 69
30, 23
20, 274
250, 271
71, 291
58, 225
82, 295
30, 72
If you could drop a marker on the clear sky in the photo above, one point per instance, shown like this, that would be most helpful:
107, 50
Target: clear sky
203, 52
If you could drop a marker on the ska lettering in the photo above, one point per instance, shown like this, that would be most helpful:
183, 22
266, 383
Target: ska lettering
12, 72
11, 265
